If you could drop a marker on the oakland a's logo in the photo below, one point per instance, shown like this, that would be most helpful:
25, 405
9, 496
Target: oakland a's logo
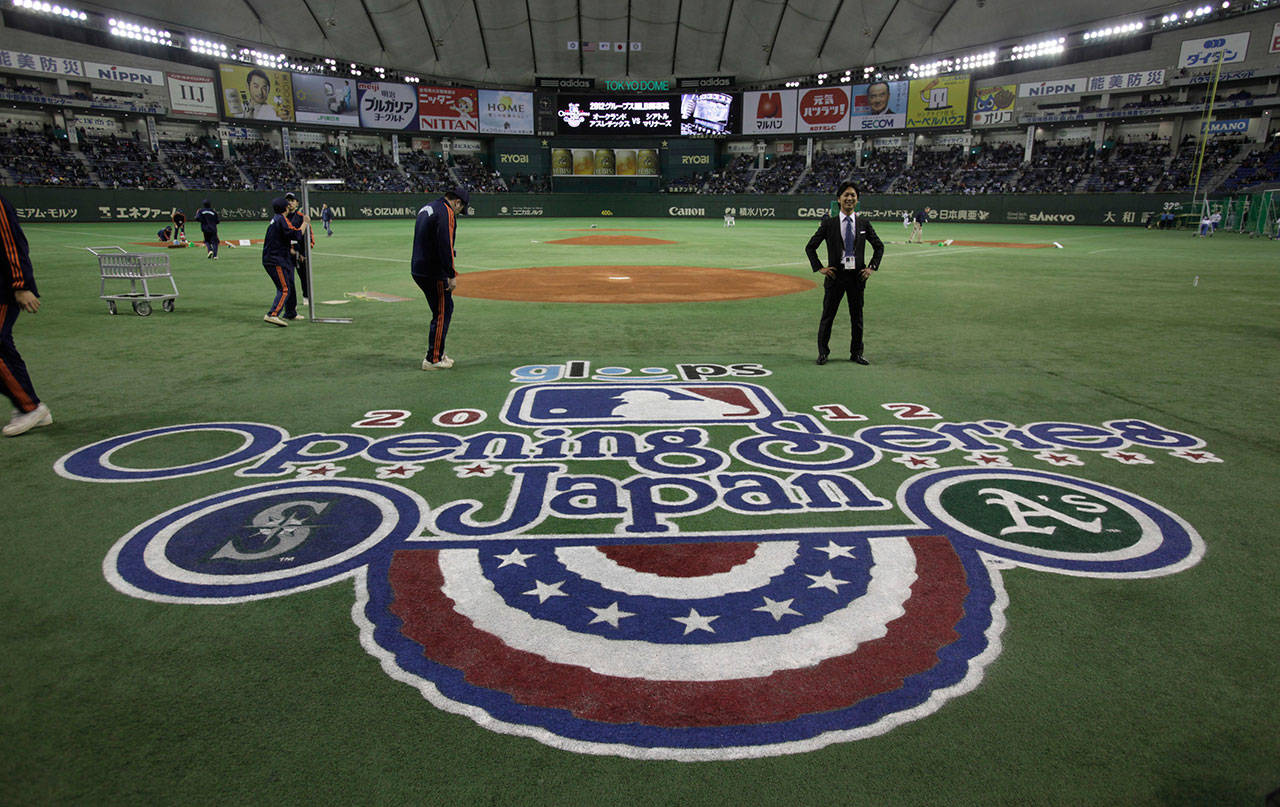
653, 642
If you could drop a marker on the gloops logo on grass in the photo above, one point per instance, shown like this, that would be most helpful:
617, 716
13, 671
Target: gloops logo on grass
642, 562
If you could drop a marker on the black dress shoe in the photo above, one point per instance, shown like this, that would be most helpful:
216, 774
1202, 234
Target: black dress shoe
822, 358
858, 359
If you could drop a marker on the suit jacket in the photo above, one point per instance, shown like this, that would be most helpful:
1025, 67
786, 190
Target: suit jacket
863, 234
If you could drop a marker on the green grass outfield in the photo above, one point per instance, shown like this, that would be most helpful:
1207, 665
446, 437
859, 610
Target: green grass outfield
1105, 691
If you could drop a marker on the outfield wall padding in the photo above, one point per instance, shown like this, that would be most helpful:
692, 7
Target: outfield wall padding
93, 205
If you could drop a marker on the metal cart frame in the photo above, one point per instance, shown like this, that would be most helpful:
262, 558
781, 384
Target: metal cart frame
115, 263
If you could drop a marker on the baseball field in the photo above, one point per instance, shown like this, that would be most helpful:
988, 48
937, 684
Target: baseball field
636, 547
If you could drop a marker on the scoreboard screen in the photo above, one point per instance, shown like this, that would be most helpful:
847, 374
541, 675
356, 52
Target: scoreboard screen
709, 114
623, 115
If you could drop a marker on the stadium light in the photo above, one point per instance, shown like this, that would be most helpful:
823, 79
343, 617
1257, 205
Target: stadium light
272, 60
207, 47
141, 33
1114, 30
1032, 50
48, 8
975, 60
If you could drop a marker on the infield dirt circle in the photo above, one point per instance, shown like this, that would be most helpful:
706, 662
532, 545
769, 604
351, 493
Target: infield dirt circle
627, 284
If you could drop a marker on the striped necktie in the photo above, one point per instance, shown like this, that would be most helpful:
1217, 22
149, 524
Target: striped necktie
848, 235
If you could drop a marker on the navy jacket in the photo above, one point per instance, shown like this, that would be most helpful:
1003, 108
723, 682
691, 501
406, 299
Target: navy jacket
276, 243
208, 218
829, 231
16, 262
433, 241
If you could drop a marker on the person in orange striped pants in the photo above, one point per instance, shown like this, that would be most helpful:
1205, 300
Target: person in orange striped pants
17, 293
278, 261
432, 268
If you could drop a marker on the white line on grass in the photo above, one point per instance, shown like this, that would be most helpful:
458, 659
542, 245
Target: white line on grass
401, 260
359, 257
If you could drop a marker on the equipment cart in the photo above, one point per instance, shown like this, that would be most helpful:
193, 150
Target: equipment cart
117, 264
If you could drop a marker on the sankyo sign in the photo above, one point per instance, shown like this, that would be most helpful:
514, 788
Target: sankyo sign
652, 641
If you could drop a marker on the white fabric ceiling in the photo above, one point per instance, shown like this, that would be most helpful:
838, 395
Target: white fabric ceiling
508, 42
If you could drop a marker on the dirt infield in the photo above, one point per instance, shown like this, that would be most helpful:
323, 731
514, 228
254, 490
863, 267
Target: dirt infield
611, 241
609, 229
627, 284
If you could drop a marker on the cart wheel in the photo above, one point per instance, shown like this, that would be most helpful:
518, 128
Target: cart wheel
167, 305
111, 307
142, 308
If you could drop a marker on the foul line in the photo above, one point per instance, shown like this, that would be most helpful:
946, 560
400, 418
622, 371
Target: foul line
360, 257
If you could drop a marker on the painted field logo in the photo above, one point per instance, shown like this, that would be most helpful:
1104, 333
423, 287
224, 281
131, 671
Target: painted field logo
639, 636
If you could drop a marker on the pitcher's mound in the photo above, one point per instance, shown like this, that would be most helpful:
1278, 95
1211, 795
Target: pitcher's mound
627, 284
611, 241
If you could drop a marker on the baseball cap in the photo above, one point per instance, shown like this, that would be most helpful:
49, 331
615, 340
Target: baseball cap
279, 205
290, 197
464, 195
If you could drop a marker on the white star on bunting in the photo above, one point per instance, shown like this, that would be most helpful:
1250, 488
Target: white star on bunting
825, 580
611, 614
778, 610
545, 591
514, 558
695, 621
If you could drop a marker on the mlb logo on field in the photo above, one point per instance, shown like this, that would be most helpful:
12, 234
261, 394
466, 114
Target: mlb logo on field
639, 404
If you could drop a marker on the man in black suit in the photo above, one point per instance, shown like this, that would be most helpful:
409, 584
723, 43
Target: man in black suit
846, 270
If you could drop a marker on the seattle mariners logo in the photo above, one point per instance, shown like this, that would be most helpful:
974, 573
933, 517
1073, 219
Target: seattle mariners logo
646, 634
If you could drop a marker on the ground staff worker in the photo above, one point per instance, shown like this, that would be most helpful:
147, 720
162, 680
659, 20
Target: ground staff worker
277, 259
918, 220
17, 293
209, 221
846, 236
294, 218
433, 271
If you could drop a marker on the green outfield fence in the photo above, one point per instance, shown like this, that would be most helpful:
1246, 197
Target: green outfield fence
86, 204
